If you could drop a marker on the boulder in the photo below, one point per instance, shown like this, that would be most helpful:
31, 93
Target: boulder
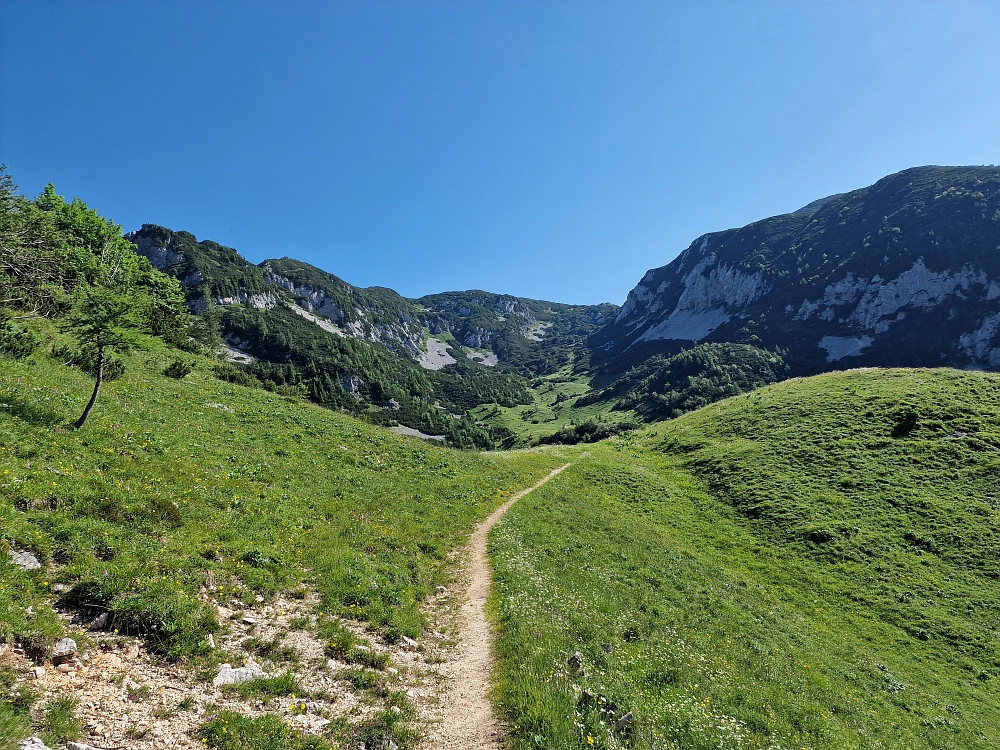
64, 651
99, 622
26, 561
33, 743
229, 675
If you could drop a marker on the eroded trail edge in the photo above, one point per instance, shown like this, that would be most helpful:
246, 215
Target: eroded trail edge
468, 721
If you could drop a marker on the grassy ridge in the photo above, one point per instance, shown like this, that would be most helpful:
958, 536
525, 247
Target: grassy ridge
809, 566
179, 484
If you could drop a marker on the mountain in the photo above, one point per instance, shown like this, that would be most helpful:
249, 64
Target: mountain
905, 272
421, 363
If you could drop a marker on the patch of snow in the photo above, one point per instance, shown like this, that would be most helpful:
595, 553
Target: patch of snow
838, 347
436, 356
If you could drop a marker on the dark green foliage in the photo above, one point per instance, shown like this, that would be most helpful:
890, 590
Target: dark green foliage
465, 385
171, 625
59, 723
16, 342
665, 387
231, 373
227, 730
267, 687
86, 359
588, 432
295, 353
178, 369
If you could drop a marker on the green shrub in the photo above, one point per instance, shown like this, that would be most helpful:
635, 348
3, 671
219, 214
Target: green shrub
178, 369
231, 373
17, 342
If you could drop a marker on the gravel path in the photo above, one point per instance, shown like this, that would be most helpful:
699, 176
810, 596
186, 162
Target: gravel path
468, 722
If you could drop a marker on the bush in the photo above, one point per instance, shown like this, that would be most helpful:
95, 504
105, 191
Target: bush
178, 369
588, 432
231, 373
16, 342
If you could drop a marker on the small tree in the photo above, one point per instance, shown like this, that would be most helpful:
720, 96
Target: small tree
101, 320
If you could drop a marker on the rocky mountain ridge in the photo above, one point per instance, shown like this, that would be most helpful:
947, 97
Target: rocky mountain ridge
905, 273
496, 323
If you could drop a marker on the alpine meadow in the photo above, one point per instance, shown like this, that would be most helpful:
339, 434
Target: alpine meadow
757, 505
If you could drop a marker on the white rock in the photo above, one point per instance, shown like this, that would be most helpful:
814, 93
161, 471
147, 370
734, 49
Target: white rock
26, 561
233, 676
33, 743
64, 651
409, 644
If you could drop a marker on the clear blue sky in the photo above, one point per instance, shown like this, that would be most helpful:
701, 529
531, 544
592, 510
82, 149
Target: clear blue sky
548, 149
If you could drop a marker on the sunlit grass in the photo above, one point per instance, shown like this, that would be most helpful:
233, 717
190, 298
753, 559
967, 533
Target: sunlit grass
810, 566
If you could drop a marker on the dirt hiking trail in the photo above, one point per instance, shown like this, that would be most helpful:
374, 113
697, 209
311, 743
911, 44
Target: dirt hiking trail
468, 722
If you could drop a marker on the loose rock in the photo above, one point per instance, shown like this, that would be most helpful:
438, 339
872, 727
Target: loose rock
26, 561
100, 621
64, 651
409, 644
230, 676
575, 661
33, 743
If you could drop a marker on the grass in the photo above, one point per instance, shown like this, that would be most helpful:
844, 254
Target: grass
812, 565
228, 730
553, 406
59, 723
179, 484
15, 706
266, 687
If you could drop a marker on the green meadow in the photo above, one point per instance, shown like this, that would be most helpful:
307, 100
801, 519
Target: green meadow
181, 488
812, 565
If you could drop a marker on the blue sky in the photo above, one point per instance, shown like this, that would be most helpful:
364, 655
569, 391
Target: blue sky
547, 149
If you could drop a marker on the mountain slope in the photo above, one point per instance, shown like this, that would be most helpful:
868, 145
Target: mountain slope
183, 501
813, 565
903, 273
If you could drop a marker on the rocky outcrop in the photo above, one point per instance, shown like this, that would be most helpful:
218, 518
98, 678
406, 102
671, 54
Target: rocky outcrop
904, 272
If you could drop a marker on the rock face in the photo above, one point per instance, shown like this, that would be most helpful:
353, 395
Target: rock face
905, 272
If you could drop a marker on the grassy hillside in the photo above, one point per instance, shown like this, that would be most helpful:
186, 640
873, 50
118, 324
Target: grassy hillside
813, 565
179, 484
